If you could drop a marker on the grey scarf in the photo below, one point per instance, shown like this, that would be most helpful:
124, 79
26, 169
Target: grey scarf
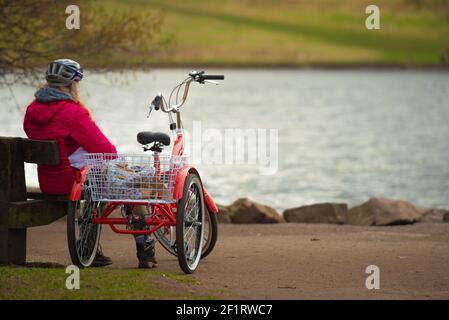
47, 94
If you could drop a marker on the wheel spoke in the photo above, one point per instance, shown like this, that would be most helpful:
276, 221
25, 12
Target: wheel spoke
190, 225
84, 240
188, 203
188, 234
194, 208
191, 219
190, 237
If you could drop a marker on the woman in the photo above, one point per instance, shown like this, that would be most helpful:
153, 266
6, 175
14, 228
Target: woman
58, 114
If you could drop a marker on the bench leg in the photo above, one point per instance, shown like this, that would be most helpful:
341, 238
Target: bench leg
13, 244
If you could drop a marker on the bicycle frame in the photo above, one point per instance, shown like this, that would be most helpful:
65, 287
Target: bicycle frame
166, 210
178, 150
162, 214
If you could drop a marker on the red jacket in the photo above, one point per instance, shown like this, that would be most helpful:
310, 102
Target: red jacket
70, 124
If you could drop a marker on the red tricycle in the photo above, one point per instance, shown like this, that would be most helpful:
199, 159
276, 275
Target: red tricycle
178, 211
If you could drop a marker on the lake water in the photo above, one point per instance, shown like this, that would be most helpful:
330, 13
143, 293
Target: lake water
342, 135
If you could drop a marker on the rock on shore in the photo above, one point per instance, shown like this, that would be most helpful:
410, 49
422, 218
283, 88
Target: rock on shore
244, 210
383, 212
333, 213
374, 212
434, 215
223, 214
446, 217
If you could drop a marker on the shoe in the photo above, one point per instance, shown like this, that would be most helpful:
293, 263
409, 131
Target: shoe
100, 259
151, 252
146, 255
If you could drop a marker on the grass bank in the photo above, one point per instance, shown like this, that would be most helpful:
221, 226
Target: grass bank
294, 33
43, 282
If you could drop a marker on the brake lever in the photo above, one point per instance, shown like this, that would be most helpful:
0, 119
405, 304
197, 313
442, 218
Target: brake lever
155, 104
211, 81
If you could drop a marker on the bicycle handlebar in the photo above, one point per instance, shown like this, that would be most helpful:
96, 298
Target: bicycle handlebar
197, 76
213, 77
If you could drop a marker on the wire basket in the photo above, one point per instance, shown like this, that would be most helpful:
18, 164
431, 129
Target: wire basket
132, 178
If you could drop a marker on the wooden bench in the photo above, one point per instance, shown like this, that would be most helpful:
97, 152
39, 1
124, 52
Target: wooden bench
19, 208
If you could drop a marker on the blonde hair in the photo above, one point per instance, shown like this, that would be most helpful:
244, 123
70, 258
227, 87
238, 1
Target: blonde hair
73, 91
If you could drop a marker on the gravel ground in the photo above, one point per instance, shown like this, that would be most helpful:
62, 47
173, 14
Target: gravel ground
293, 261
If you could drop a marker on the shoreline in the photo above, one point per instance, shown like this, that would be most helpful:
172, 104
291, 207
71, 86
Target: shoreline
325, 66
329, 67
263, 66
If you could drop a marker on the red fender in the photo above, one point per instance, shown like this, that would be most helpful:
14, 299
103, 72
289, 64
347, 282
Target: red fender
179, 187
77, 188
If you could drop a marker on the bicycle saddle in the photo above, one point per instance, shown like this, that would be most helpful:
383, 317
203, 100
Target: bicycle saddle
147, 137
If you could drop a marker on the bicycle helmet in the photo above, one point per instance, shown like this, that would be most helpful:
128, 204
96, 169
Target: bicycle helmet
63, 72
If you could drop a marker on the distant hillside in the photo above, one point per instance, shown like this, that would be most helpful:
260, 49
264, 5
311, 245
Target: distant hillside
296, 33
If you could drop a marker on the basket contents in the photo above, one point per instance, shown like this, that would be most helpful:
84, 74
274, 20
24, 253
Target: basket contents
134, 181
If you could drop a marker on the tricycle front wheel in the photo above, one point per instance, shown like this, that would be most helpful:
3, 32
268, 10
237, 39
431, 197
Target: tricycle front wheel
82, 235
189, 224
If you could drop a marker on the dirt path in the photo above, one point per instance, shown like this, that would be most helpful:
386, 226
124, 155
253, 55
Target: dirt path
294, 261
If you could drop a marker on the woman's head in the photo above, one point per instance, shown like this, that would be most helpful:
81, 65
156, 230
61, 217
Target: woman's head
65, 74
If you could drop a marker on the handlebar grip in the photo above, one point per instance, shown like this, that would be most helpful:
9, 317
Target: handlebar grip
212, 77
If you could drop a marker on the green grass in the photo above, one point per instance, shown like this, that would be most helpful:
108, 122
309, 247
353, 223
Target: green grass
287, 32
49, 283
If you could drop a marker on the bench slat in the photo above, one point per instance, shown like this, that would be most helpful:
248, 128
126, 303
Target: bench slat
36, 194
40, 152
33, 213
48, 197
